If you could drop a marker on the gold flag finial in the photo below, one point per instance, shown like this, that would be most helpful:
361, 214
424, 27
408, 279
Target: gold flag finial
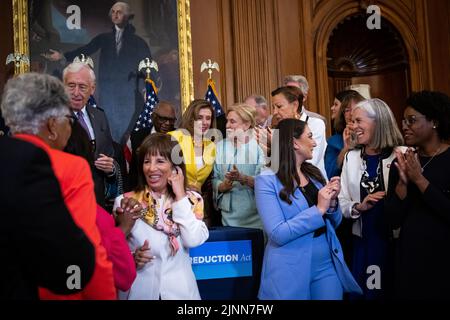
148, 65
18, 59
85, 60
210, 66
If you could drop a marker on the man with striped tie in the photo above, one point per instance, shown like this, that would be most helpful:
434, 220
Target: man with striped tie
79, 79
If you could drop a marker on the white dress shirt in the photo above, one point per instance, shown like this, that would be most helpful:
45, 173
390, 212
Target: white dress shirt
119, 39
87, 119
317, 128
166, 277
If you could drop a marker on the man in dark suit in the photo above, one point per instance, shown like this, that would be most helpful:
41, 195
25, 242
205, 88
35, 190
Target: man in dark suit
38, 237
79, 80
121, 50
163, 121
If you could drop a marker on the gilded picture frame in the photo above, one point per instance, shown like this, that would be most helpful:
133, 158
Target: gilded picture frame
21, 23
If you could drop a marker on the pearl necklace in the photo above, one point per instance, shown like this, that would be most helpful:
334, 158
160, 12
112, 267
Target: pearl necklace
437, 151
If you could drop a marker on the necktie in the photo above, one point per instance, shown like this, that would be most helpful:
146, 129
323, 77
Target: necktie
118, 41
80, 117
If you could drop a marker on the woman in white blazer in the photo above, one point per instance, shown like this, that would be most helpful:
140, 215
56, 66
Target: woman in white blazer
364, 180
169, 225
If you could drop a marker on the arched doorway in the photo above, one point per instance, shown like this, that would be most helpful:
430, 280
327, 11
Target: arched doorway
328, 16
357, 55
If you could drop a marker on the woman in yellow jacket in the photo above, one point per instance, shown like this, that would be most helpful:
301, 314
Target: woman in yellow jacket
195, 136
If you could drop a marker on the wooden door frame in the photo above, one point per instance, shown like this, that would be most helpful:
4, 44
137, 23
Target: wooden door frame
328, 17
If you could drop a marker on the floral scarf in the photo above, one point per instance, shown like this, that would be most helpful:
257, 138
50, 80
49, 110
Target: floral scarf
158, 214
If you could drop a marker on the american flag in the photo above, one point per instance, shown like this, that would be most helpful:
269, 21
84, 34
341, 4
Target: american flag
211, 96
145, 119
151, 100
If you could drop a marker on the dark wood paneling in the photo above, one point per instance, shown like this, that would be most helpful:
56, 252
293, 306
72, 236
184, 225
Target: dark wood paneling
291, 40
390, 87
7, 42
207, 41
438, 16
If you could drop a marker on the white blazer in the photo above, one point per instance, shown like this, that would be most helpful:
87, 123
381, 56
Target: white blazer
317, 128
352, 171
167, 277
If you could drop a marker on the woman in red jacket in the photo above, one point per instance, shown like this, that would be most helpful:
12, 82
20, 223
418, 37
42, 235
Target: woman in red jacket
36, 108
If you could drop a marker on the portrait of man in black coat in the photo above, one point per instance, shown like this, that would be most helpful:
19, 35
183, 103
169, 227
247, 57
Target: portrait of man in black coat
120, 52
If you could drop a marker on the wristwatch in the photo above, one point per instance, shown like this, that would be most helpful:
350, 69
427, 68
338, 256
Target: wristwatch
355, 212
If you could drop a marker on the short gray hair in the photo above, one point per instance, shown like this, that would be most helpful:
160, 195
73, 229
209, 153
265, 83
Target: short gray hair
30, 99
301, 80
386, 133
126, 9
259, 99
76, 67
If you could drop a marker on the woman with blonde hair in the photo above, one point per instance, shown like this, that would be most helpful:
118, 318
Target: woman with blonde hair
365, 175
239, 159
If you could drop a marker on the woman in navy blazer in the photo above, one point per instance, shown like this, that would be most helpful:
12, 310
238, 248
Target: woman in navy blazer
300, 211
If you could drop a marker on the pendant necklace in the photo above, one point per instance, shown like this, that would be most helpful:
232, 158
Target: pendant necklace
437, 151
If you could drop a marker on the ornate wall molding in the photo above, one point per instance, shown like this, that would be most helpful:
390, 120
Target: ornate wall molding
328, 17
20, 23
185, 53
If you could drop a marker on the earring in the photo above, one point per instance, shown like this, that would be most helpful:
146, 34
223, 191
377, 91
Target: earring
434, 127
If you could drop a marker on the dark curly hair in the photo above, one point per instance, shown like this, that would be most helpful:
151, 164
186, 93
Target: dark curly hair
435, 106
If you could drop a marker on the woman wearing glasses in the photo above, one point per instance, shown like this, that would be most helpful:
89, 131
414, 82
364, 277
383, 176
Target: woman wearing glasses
364, 179
419, 199
36, 108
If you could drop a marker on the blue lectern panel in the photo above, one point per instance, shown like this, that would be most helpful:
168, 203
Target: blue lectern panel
228, 265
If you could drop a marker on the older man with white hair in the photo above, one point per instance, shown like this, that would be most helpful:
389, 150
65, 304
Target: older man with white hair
120, 53
263, 117
79, 80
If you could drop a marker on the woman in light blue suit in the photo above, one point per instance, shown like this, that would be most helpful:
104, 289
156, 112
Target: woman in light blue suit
238, 160
300, 211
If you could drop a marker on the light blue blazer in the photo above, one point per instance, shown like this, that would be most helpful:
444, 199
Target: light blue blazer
286, 269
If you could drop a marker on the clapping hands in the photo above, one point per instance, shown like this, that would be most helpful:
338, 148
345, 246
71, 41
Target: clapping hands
328, 194
127, 214
408, 166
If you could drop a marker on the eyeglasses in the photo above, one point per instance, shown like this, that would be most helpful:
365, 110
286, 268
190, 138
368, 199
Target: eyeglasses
165, 119
410, 120
84, 88
72, 119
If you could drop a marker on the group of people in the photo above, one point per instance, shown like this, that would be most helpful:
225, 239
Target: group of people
365, 214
